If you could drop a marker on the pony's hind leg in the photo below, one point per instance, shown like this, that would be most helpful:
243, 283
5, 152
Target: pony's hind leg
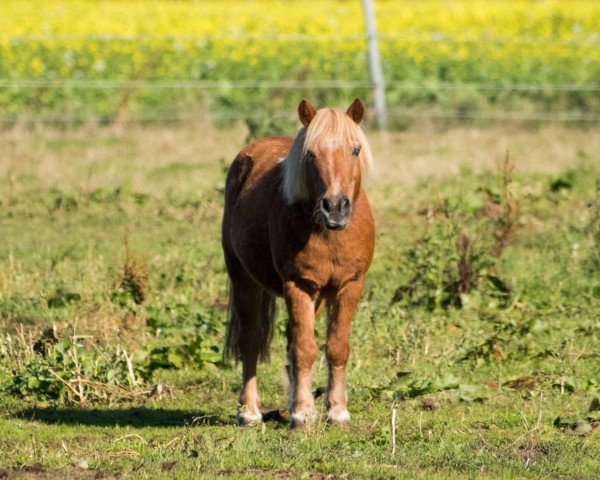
340, 312
246, 298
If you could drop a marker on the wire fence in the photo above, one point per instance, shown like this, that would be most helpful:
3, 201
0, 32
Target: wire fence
589, 41
286, 84
394, 112
158, 117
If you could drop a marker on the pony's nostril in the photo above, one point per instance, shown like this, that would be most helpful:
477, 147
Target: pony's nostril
344, 205
326, 205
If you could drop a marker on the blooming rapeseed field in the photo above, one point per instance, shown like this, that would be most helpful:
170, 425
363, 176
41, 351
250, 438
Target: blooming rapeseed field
88, 58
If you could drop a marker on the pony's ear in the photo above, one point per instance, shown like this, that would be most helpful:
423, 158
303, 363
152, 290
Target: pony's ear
356, 111
306, 112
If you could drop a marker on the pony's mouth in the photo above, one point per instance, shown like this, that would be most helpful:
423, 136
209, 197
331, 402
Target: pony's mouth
334, 225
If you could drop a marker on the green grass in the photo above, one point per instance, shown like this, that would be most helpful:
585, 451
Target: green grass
69, 198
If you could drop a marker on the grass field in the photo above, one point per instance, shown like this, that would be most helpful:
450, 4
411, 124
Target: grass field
479, 323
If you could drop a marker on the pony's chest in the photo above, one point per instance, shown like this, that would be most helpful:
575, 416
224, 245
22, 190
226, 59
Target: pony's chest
327, 263
323, 259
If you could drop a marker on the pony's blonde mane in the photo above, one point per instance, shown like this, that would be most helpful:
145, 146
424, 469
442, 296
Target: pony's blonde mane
330, 127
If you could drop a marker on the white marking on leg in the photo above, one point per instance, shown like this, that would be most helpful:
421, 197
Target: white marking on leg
292, 397
339, 416
336, 397
297, 418
249, 417
303, 418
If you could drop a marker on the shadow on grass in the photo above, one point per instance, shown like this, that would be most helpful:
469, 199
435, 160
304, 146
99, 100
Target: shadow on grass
135, 417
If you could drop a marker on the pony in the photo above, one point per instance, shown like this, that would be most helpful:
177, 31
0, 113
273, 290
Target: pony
297, 224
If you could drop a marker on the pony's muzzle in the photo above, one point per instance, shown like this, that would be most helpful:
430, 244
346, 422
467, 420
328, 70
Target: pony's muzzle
335, 211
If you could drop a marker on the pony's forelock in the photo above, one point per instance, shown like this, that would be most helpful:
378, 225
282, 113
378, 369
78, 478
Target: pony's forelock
330, 127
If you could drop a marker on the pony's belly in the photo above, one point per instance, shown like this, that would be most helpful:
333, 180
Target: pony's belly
253, 252
264, 273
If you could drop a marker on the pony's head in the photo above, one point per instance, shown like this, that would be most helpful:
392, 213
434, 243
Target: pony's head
327, 161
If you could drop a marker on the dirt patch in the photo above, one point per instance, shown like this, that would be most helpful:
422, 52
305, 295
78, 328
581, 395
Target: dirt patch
290, 474
526, 382
39, 472
271, 473
531, 450
167, 466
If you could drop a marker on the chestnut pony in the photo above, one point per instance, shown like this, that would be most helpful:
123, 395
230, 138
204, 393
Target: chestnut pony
297, 224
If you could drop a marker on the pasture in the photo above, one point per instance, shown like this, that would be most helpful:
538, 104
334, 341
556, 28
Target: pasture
478, 326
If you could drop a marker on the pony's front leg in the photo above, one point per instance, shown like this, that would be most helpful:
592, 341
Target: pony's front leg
302, 352
340, 311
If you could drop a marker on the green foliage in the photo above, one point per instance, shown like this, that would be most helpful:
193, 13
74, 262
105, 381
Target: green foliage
454, 263
68, 369
62, 297
405, 386
191, 354
184, 336
450, 269
103, 195
592, 262
74, 369
448, 383
63, 201
563, 181
583, 423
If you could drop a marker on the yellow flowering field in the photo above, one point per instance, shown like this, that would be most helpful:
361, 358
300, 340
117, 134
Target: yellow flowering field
75, 59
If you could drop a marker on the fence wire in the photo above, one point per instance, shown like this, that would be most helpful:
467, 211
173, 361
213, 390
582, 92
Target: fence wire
398, 114
103, 84
591, 41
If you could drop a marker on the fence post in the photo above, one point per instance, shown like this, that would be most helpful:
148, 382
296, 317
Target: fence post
375, 64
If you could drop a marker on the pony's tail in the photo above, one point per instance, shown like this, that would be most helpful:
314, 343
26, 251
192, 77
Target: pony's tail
268, 311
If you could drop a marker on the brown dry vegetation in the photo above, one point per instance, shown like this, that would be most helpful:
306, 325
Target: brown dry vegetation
405, 157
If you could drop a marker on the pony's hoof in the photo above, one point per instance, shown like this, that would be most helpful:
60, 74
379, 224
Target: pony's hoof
339, 418
300, 421
248, 418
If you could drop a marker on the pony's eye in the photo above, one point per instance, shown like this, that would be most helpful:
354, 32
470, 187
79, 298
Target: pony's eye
309, 155
356, 151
